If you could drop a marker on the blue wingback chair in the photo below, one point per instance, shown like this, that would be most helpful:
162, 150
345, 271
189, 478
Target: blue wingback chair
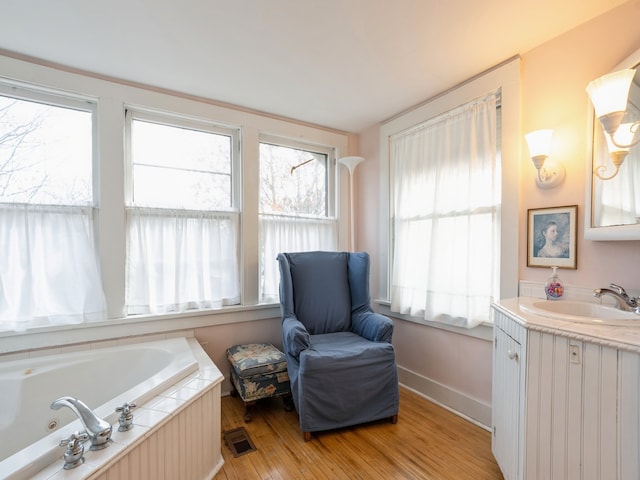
340, 360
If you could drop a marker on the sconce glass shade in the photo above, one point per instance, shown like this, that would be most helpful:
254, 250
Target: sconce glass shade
539, 142
609, 95
550, 173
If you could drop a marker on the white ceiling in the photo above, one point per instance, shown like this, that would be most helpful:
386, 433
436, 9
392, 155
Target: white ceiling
343, 64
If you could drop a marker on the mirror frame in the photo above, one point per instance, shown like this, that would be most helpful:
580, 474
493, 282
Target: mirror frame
613, 232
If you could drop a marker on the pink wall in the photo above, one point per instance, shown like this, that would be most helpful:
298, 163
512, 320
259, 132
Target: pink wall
554, 77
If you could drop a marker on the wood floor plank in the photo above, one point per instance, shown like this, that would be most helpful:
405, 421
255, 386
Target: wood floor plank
427, 443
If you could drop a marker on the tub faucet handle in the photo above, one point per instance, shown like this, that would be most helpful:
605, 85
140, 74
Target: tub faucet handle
126, 417
74, 454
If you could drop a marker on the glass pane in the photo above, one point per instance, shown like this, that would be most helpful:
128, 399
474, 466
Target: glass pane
45, 154
182, 189
176, 167
292, 181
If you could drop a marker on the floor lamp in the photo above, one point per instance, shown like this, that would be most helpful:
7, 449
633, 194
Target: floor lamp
351, 163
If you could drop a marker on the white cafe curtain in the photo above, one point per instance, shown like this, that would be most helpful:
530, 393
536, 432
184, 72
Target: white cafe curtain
446, 197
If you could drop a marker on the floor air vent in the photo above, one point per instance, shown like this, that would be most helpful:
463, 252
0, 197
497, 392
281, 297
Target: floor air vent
238, 441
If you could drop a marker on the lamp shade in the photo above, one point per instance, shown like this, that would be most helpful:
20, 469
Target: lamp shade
539, 142
351, 162
609, 93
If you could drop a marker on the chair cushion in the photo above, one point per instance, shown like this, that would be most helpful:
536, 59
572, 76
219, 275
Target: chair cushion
321, 294
256, 359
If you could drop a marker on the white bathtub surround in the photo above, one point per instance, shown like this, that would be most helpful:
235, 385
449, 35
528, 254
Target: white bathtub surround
176, 431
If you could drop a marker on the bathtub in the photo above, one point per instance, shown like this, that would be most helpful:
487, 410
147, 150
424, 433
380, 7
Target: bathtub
162, 377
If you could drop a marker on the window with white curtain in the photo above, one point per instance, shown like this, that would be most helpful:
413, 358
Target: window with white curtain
182, 220
49, 274
445, 207
296, 209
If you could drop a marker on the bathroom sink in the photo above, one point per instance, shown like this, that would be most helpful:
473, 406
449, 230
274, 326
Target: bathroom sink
584, 312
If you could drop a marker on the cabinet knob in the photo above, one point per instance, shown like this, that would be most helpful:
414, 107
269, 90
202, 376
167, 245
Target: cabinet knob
512, 355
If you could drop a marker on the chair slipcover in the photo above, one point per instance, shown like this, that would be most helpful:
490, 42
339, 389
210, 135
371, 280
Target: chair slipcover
340, 360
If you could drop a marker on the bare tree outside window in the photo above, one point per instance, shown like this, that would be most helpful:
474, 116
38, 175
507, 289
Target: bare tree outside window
292, 181
45, 154
176, 167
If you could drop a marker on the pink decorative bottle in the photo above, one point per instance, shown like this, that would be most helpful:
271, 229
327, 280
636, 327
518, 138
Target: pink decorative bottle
554, 288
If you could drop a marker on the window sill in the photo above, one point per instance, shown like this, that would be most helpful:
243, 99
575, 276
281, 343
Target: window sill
61, 335
484, 331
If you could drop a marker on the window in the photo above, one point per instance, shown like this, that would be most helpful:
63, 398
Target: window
505, 80
296, 205
149, 211
50, 273
446, 199
182, 221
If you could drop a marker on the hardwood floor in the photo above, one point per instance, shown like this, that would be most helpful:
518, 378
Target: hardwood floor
428, 442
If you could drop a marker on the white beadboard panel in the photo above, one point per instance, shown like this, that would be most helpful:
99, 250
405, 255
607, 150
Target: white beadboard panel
186, 446
532, 410
608, 417
574, 413
629, 401
591, 404
559, 401
507, 374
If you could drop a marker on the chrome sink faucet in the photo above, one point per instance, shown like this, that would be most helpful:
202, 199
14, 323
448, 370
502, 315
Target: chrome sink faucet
98, 430
624, 301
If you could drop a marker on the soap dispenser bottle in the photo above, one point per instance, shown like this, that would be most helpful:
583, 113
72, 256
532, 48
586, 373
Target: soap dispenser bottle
554, 287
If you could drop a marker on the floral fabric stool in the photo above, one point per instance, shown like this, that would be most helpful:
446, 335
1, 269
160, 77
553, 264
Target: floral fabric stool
258, 370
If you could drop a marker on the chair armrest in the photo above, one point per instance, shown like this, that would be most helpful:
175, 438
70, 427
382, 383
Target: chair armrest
372, 326
295, 336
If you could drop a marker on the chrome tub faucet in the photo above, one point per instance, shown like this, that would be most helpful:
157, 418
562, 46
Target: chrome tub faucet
98, 430
623, 300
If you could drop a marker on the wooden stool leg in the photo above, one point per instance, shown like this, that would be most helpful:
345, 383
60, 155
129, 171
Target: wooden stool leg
247, 411
307, 436
394, 419
288, 402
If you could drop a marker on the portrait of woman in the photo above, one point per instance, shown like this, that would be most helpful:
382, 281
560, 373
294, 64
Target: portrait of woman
553, 245
552, 237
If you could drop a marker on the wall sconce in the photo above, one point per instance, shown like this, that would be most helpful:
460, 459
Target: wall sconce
609, 95
550, 173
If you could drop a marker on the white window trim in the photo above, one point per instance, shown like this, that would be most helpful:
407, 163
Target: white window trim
180, 121
505, 77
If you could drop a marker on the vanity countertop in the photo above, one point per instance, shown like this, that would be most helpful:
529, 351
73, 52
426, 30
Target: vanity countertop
619, 337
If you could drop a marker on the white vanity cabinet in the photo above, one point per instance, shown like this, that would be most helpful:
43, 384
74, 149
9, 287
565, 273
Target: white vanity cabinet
565, 405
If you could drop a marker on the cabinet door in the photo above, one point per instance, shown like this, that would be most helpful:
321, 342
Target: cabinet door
506, 404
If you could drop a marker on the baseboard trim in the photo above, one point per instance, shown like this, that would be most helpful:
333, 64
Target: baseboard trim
456, 402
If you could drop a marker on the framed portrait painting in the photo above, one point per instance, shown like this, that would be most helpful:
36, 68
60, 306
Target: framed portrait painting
551, 237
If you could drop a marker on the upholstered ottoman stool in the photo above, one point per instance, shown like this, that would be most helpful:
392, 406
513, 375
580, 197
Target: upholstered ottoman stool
258, 370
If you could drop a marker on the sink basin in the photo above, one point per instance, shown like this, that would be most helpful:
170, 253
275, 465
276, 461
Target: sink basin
583, 312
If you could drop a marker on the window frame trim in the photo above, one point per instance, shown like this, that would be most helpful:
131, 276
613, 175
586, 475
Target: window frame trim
176, 120
332, 176
504, 77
